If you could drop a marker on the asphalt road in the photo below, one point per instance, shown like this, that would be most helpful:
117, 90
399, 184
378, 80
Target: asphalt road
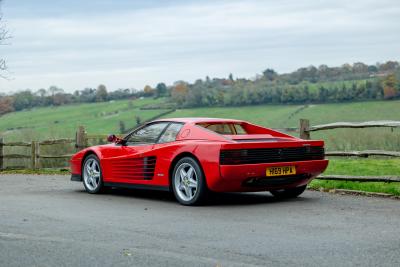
50, 221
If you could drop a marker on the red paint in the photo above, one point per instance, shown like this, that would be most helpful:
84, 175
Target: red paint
124, 164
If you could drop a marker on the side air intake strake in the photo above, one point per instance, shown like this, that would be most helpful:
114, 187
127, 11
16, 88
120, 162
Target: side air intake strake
135, 169
271, 155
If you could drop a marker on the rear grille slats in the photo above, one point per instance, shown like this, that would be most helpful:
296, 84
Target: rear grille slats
270, 155
142, 168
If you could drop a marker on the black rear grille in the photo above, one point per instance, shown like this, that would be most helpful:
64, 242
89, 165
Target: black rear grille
270, 155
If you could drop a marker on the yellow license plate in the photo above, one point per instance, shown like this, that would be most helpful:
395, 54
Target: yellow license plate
280, 171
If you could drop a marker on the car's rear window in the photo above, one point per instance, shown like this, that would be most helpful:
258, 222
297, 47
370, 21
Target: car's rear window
224, 128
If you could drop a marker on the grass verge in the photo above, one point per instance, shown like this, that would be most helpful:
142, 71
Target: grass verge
39, 171
379, 187
367, 167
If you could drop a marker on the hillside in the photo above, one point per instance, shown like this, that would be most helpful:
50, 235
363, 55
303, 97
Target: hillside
105, 117
56, 122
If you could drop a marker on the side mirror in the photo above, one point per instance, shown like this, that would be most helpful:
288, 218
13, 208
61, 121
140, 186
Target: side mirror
112, 138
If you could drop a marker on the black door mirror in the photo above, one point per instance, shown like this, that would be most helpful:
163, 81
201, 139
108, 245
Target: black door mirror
112, 138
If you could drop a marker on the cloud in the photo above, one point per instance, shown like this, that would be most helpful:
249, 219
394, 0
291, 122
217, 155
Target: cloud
188, 40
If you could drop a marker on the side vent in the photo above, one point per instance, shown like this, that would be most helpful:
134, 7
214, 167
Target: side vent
149, 165
134, 169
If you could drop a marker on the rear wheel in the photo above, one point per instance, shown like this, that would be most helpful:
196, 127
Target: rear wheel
188, 182
92, 176
289, 193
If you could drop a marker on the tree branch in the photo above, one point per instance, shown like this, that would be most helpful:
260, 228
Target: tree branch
4, 35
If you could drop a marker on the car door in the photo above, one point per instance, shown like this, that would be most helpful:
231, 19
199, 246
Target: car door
166, 149
135, 161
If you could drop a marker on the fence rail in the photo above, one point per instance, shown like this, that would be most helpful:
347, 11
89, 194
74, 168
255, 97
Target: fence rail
305, 130
363, 154
355, 178
367, 124
80, 141
34, 154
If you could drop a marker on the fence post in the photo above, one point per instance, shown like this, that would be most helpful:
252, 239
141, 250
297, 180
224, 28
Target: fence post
37, 155
304, 129
80, 141
33, 155
1, 154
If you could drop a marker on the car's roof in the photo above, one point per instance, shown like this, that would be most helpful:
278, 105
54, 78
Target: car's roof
201, 120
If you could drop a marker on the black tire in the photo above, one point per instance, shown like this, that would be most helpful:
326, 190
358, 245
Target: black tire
92, 188
199, 193
289, 193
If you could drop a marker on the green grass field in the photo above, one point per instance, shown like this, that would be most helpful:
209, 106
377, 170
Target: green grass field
280, 116
57, 122
104, 117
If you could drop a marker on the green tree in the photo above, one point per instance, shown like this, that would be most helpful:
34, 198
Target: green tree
270, 74
23, 100
101, 93
161, 89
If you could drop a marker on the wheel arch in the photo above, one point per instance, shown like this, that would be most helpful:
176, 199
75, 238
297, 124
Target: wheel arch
87, 153
179, 157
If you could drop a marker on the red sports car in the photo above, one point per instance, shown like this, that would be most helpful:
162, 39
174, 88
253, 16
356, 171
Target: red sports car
193, 156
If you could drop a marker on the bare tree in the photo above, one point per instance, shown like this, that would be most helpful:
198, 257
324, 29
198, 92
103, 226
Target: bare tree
4, 35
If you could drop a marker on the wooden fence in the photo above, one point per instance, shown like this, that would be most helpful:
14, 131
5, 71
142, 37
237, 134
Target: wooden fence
83, 140
35, 154
305, 133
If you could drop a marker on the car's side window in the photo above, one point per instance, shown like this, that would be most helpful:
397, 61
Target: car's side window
221, 128
170, 134
148, 134
239, 129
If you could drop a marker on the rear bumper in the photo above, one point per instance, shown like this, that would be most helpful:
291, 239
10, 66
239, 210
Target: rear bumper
252, 177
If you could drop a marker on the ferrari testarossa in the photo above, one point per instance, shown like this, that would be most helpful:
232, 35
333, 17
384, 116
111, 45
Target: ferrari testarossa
193, 156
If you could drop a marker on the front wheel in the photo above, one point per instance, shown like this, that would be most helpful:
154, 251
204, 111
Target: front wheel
92, 176
188, 182
289, 193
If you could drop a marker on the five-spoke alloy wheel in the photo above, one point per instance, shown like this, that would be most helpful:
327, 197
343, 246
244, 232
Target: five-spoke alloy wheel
188, 182
92, 177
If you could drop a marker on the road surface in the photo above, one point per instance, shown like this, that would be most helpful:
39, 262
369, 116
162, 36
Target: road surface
50, 221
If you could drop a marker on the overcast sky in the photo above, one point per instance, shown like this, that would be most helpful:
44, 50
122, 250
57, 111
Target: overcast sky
123, 43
